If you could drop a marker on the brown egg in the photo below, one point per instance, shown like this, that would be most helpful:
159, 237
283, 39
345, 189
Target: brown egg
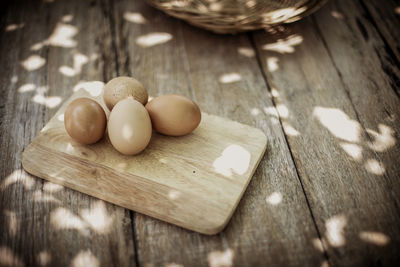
129, 127
174, 115
120, 88
85, 120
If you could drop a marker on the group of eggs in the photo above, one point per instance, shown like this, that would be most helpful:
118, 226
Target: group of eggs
131, 118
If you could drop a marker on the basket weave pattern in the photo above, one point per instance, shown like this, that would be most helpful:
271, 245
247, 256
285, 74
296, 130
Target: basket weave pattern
232, 16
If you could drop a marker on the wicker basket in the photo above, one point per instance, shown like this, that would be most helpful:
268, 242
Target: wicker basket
232, 16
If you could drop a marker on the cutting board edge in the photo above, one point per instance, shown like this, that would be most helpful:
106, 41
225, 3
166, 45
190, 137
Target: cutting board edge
209, 228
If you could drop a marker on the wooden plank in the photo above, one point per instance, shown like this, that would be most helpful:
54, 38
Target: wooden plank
386, 19
259, 232
272, 225
42, 223
331, 97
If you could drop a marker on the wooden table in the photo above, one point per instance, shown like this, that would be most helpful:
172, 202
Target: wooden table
325, 91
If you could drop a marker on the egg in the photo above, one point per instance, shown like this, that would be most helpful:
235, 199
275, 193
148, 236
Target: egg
129, 127
120, 88
85, 120
173, 115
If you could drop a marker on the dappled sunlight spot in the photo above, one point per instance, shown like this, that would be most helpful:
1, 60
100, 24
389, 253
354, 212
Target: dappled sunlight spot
255, 111
39, 196
246, 51
94, 88
338, 123
33, 62
230, 77
43, 258
18, 176
14, 79
271, 111
220, 258
28, 87
375, 238
134, 17
251, 3
353, 150
282, 110
67, 18
51, 188
289, 129
335, 230
274, 92
85, 259
283, 14
274, 199
12, 221
98, 218
337, 15
63, 219
48, 101
325, 263
8, 258
216, 6
70, 148
78, 61
374, 167
284, 45
235, 158
397, 10
67, 71
153, 39
318, 244
272, 64
173, 194
13, 27
61, 36
383, 140
60, 117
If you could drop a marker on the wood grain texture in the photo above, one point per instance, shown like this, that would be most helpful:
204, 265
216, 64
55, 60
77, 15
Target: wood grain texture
42, 223
386, 19
238, 87
329, 185
192, 63
335, 102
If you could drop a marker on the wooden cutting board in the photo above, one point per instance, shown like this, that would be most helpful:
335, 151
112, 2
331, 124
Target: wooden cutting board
194, 181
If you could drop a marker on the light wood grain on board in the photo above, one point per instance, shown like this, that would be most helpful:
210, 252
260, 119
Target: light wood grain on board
330, 88
194, 181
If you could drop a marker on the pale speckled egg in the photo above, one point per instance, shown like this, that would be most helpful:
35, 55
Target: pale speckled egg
122, 87
129, 127
173, 115
85, 120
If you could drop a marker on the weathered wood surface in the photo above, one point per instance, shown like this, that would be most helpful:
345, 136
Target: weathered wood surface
346, 114
327, 191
